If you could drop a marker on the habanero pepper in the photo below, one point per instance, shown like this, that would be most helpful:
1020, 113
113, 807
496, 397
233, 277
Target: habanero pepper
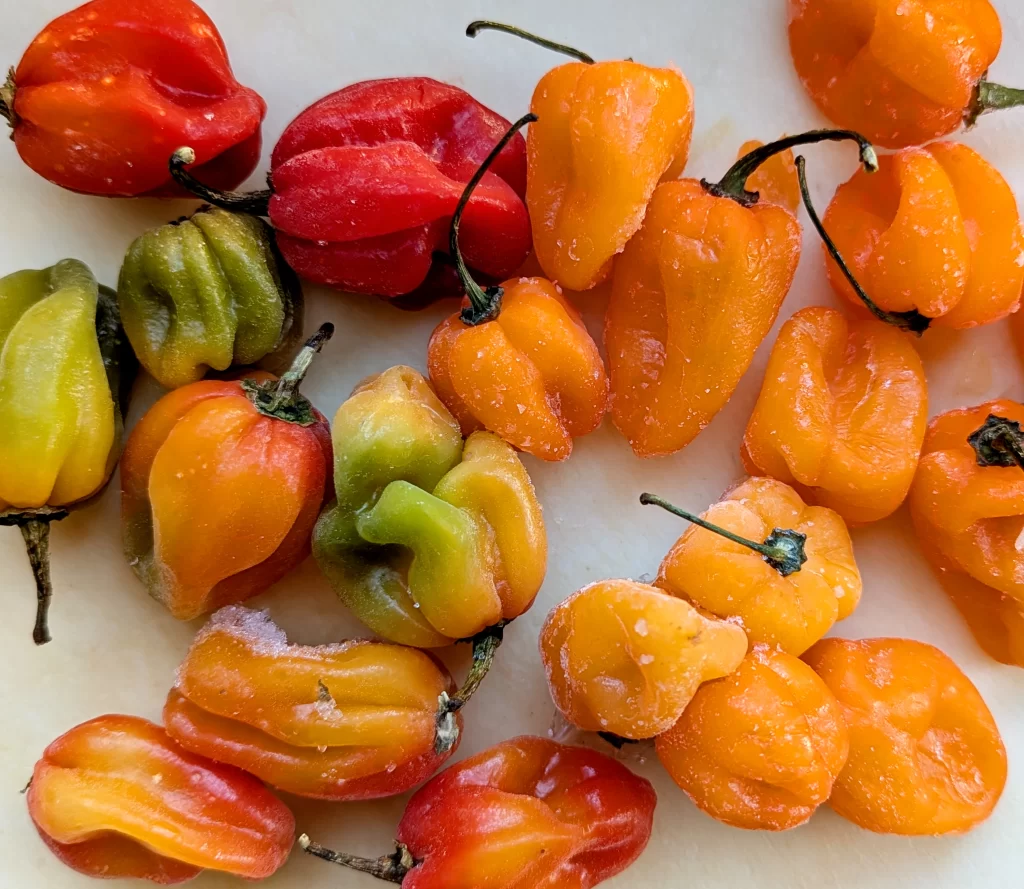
106, 92
116, 797
967, 505
364, 182
65, 376
518, 359
221, 484
528, 812
607, 134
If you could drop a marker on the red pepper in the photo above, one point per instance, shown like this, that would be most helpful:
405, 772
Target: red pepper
106, 92
364, 184
525, 813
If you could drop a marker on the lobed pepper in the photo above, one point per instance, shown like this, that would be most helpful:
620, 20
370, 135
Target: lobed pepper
782, 570
841, 415
518, 359
364, 182
967, 505
607, 133
209, 291
760, 749
221, 485
926, 757
625, 659
106, 92
340, 722
528, 812
116, 797
65, 375
901, 73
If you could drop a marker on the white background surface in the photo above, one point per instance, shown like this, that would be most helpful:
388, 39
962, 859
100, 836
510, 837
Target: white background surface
115, 650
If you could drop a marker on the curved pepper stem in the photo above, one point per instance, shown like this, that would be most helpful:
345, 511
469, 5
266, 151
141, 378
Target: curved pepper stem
999, 442
988, 97
912, 320
391, 868
35, 530
733, 183
256, 202
485, 645
7, 101
474, 28
484, 305
783, 549
281, 398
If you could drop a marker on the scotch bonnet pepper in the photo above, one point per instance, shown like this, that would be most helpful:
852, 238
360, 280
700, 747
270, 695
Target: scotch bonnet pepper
365, 181
106, 92
221, 484
65, 373
528, 813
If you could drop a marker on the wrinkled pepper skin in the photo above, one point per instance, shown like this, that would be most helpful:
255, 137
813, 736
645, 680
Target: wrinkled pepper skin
775, 181
968, 520
106, 92
606, 135
761, 748
534, 375
900, 73
841, 415
625, 658
935, 229
116, 797
208, 292
726, 580
430, 540
926, 757
349, 721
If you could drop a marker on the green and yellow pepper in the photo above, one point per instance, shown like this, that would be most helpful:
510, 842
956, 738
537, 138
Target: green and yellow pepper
65, 370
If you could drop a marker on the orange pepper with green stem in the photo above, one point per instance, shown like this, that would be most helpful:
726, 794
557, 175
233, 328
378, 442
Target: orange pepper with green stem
518, 359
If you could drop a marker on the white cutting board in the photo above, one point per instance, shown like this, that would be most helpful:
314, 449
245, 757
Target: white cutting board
115, 650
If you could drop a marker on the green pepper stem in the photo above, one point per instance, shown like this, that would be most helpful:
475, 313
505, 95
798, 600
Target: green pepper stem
783, 549
257, 202
733, 183
484, 305
35, 530
912, 320
485, 644
392, 868
281, 399
999, 442
474, 28
7, 101
990, 96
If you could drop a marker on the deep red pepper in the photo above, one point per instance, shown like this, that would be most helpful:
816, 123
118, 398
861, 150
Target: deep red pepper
365, 181
107, 91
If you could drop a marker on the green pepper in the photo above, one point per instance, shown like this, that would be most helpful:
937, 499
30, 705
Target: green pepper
65, 372
209, 291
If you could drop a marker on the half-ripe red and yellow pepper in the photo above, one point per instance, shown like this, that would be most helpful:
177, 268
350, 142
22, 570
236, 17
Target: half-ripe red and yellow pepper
221, 485
967, 504
518, 359
115, 797
349, 721
607, 133
65, 374
528, 812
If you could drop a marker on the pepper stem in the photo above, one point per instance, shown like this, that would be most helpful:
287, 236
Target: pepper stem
257, 202
988, 97
485, 644
392, 868
281, 398
733, 183
484, 305
474, 28
783, 549
35, 530
999, 442
7, 101
911, 320
617, 741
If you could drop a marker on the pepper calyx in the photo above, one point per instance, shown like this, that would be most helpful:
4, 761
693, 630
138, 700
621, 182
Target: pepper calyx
393, 868
257, 202
281, 398
998, 442
7, 92
988, 96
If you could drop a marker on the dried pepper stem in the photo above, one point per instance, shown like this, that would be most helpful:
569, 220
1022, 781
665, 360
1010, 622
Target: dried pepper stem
999, 442
391, 868
474, 28
281, 399
485, 645
35, 530
256, 202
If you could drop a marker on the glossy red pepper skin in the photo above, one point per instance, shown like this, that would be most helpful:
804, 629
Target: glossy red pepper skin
106, 92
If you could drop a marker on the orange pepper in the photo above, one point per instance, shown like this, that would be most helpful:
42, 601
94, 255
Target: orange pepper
693, 296
901, 73
517, 360
925, 754
625, 658
967, 504
607, 134
775, 179
761, 748
786, 591
841, 415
